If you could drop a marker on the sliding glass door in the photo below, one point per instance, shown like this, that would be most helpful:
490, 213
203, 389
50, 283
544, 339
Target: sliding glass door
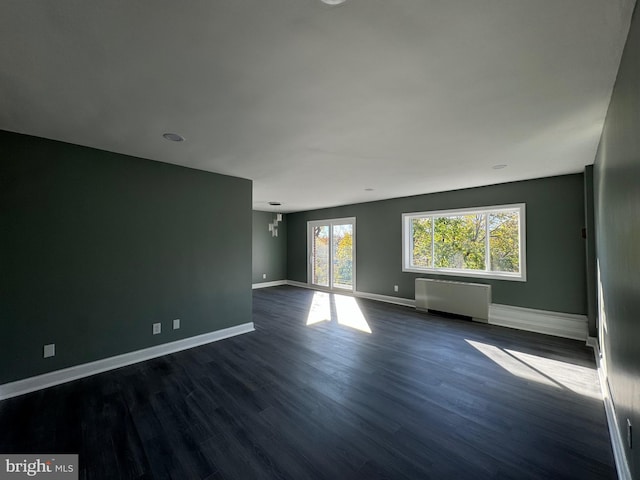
332, 253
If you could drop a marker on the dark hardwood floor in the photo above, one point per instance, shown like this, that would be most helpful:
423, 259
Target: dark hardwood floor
419, 397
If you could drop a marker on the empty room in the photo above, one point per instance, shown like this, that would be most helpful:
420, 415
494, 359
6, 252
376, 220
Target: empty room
320, 239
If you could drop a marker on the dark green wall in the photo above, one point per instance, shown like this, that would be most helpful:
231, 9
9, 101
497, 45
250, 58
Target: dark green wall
269, 252
555, 248
96, 246
590, 251
617, 208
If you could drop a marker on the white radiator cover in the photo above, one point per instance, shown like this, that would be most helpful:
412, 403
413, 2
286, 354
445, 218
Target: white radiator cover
462, 298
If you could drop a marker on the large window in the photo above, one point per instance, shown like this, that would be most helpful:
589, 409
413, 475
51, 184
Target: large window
475, 242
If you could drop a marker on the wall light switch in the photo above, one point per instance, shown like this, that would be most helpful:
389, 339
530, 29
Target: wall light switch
176, 324
157, 328
50, 350
264, 275
395, 288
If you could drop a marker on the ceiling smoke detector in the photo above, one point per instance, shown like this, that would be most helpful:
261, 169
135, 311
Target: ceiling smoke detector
333, 2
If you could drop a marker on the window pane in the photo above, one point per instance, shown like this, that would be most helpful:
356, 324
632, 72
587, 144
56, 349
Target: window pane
459, 242
504, 242
321, 255
343, 256
422, 236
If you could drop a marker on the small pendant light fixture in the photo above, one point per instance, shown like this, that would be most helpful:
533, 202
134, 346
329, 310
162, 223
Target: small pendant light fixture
273, 227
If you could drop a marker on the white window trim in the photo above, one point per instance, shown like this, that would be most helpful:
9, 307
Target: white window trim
406, 244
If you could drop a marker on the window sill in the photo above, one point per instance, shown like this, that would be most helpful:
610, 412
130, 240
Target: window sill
513, 277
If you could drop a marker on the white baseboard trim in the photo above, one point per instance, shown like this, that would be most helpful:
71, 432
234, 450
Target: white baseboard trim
27, 385
275, 283
293, 283
617, 442
593, 343
540, 321
407, 302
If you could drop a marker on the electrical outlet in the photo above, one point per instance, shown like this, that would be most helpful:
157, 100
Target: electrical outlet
395, 288
49, 350
264, 275
176, 324
629, 434
157, 328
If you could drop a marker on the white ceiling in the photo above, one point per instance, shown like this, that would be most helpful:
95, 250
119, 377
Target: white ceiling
313, 102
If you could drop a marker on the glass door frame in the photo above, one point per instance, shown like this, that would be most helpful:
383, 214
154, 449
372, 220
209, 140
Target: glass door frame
330, 223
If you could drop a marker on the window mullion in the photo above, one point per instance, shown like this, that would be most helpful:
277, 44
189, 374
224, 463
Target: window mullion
433, 242
487, 248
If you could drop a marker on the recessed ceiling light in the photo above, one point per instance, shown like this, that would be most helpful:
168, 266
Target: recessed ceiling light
333, 2
499, 167
275, 204
174, 137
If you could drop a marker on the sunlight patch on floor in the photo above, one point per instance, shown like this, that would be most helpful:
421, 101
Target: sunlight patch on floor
349, 313
578, 379
320, 310
344, 310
